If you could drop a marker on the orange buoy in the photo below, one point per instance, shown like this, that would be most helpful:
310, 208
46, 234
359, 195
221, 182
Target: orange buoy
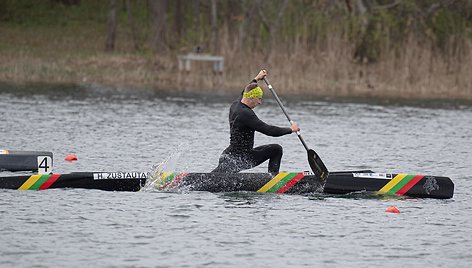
392, 209
71, 157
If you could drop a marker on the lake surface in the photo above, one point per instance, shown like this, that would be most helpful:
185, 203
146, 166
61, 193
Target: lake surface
125, 129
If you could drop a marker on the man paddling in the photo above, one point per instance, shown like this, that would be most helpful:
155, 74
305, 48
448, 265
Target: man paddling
243, 122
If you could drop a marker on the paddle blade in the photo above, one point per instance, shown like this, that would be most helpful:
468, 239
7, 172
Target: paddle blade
317, 166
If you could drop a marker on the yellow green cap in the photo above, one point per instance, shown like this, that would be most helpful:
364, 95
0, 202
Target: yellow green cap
253, 93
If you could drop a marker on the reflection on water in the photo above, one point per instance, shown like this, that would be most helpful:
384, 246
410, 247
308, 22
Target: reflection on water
137, 129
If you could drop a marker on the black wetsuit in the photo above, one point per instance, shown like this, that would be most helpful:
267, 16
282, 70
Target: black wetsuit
240, 154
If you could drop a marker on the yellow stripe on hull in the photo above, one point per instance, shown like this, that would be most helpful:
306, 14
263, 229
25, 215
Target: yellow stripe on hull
392, 183
164, 176
29, 182
272, 182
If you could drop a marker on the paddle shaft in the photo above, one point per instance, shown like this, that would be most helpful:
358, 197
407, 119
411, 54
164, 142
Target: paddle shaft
285, 112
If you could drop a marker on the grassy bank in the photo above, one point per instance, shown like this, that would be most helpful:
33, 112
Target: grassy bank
73, 52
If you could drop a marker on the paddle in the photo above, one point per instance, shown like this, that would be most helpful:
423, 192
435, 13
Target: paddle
317, 166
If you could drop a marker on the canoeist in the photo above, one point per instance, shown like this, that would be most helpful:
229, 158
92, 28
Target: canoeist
243, 122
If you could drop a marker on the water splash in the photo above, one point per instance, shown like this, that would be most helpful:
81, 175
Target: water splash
158, 171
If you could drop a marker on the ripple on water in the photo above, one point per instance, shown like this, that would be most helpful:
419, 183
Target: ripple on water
128, 130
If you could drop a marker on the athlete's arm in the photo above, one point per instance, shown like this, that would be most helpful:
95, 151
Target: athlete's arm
251, 120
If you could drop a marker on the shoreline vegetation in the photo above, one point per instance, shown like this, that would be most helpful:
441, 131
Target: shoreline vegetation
360, 48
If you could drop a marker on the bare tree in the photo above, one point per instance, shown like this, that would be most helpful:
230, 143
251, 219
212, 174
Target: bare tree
246, 20
178, 19
231, 16
272, 25
196, 20
159, 39
214, 28
111, 32
131, 24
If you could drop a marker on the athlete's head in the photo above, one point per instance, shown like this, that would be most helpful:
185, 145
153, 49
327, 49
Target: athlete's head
252, 95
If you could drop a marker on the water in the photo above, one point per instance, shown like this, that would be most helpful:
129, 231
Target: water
132, 130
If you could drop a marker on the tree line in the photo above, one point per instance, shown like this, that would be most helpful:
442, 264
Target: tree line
399, 48
275, 26
370, 27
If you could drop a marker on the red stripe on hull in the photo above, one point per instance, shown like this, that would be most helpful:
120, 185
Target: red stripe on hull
175, 181
49, 182
178, 178
291, 183
410, 184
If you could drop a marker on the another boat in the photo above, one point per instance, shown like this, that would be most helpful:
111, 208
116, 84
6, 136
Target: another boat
12, 160
343, 182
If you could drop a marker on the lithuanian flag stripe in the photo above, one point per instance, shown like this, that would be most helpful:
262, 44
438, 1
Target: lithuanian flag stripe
50, 181
29, 182
169, 178
177, 178
291, 183
400, 184
39, 182
163, 176
410, 184
282, 182
272, 182
166, 176
392, 183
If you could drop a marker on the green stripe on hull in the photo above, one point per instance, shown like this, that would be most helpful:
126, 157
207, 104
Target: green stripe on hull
400, 184
168, 179
40, 182
282, 182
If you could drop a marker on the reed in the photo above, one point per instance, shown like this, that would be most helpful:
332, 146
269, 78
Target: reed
328, 69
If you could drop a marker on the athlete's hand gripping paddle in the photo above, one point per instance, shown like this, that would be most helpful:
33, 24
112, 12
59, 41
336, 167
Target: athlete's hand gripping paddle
317, 166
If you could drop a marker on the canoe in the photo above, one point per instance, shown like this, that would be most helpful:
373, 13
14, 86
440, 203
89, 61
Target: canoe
344, 182
85, 180
12, 160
